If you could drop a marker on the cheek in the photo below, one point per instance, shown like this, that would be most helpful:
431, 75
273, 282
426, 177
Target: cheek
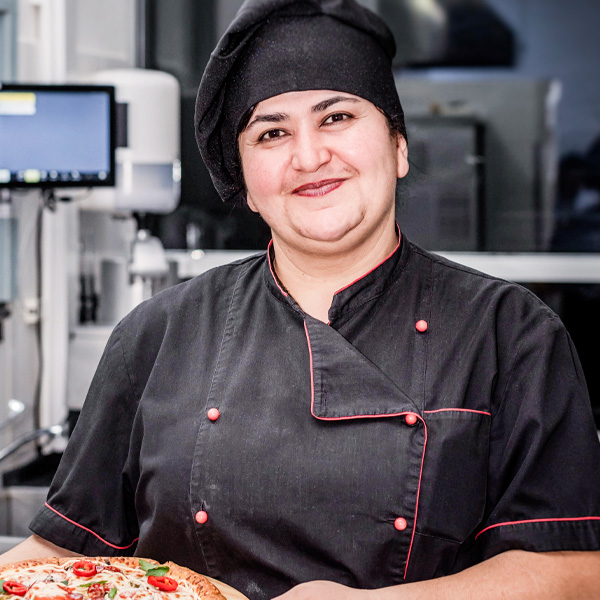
376, 161
262, 175
371, 151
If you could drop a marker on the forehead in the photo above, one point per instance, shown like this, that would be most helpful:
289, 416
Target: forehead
305, 100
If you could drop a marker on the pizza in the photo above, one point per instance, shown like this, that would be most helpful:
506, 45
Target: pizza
103, 578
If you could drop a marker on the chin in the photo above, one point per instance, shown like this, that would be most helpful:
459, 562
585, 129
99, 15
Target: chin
328, 231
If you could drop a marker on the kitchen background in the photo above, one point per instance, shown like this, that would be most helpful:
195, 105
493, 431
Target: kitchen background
502, 101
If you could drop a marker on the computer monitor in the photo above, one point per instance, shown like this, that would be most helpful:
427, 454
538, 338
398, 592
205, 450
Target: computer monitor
57, 136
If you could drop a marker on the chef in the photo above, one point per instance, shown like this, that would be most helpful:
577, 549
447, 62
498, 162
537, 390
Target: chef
345, 415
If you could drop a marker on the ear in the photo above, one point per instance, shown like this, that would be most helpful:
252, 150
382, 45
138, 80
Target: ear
250, 203
401, 156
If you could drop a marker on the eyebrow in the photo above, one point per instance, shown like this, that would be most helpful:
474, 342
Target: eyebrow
330, 102
280, 117
273, 118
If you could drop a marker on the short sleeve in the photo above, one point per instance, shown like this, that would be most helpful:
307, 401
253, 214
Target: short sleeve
543, 490
90, 505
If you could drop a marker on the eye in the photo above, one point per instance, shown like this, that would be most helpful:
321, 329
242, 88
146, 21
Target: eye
272, 134
337, 118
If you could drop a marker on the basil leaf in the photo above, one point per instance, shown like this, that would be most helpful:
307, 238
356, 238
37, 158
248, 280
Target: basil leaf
145, 565
92, 583
158, 571
112, 593
2, 591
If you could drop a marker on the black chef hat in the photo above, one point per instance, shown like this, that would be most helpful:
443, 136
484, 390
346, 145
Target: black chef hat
278, 46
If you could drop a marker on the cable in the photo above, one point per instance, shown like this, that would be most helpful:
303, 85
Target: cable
49, 198
37, 397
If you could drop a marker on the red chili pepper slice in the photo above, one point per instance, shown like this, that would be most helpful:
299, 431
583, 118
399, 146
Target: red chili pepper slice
164, 583
14, 587
84, 568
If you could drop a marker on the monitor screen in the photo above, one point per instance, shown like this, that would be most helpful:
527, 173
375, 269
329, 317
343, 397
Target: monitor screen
57, 135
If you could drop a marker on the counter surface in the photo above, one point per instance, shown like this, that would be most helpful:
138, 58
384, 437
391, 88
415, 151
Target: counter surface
519, 267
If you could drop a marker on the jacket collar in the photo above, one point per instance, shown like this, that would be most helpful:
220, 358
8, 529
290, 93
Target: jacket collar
364, 289
345, 384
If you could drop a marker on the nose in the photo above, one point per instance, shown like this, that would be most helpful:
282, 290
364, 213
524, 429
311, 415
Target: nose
309, 150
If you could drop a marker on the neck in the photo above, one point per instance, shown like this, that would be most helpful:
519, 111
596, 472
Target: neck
313, 279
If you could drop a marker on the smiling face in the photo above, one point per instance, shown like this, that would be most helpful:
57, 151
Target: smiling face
321, 167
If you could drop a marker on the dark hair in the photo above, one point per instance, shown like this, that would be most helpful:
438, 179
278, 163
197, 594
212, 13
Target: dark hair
245, 119
395, 124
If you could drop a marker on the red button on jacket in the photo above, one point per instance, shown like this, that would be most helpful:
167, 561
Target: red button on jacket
201, 516
411, 418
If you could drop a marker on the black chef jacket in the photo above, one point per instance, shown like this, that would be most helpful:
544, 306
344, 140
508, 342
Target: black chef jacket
368, 451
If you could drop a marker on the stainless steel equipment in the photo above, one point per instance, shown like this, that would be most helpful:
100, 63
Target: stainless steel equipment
32, 436
520, 149
442, 201
18, 506
15, 409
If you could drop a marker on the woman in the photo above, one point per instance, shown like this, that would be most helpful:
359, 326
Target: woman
347, 412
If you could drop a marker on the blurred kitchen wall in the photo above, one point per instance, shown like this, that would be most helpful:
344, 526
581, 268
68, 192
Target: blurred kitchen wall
554, 40
560, 40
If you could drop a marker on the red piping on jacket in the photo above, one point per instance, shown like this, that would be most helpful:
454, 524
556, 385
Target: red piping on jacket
376, 266
90, 531
538, 521
346, 286
312, 402
480, 412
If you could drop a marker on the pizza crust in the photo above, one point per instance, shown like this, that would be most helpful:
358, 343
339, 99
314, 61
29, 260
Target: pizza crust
204, 589
209, 591
34, 562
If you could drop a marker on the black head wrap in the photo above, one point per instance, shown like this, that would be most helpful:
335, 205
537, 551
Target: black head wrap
278, 46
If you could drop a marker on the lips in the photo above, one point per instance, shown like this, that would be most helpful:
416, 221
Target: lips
318, 188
